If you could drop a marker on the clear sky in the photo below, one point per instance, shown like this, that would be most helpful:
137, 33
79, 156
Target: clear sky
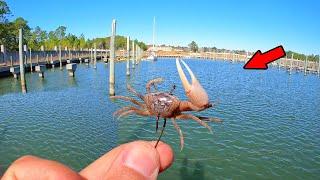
249, 25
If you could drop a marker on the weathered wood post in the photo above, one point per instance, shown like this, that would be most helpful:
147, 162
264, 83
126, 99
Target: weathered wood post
133, 54
233, 57
128, 56
23, 80
42, 53
25, 52
137, 54
95, 56
60, 57
306, 65
11, 61
3, 50
291, 61
71, 68
112, 57
91, 59
319, 65
279, 63
40, 68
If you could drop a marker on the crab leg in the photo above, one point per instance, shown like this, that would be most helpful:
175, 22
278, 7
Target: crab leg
153, 82
172, 89
128, 99
157, 123
164, 125
133, 91
121, 110
137, 111
209, 119
126, 113
179, 131
189, 116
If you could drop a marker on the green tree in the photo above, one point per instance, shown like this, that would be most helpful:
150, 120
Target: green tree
60, 33
82, 41
4, 11
193, 46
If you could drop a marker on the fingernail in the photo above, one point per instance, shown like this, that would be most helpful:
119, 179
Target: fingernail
142, 160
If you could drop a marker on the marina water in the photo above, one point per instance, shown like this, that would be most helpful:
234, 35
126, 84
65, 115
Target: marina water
271, 120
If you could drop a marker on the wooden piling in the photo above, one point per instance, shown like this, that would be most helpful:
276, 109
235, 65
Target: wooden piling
11, 61
319, 65
30, 59
60, 57
133, 54
95, 56
291, 63
25, 52
23, 80
305, 65
3, 50
137, 54
128, 56
112, 58
91, 58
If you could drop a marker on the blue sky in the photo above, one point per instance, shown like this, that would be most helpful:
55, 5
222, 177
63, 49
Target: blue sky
250, 25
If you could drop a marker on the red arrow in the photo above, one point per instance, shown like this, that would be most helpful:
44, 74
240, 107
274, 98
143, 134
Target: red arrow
261, 61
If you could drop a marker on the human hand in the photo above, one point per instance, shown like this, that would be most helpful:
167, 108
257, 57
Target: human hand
134, 160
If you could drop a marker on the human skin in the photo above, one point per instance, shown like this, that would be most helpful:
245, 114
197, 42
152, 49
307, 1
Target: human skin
134, 160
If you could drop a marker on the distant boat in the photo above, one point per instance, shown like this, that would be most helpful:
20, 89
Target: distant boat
153, 56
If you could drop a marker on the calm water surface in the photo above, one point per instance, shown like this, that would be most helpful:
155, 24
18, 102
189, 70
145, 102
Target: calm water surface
271, 125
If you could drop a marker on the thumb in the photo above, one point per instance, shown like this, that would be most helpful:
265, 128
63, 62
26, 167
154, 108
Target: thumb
136, 161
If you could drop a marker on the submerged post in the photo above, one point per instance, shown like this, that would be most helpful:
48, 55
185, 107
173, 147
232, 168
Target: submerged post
23, 80
3, 50
95, 56
25, 50
133, 54
305, 65
112, 57
128, 56
319, 65
91, 59
291, 63
60, 58
30, 59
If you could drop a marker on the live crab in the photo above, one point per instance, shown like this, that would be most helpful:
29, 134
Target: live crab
166, 105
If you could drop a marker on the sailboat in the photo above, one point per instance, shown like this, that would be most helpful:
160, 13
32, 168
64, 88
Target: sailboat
153, 55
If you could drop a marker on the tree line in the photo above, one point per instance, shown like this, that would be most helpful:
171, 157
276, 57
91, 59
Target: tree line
37, 37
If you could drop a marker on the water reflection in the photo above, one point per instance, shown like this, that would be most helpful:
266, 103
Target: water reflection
196, 172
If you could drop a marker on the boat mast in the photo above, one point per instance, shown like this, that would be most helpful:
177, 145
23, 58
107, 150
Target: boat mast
153, 36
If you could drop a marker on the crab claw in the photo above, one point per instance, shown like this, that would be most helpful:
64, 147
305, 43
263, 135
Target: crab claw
195, 92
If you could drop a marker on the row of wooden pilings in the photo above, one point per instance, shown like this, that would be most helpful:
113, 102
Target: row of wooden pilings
288, 63
135, 57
